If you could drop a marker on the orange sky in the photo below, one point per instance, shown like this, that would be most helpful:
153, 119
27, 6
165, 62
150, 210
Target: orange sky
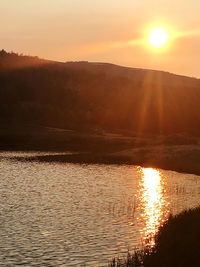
99, 30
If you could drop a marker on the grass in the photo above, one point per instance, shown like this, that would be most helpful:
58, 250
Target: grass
176, 245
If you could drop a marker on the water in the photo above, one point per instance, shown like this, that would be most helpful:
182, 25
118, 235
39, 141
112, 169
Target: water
55, 214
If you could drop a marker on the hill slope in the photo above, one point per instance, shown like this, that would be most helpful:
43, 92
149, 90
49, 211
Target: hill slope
90, 96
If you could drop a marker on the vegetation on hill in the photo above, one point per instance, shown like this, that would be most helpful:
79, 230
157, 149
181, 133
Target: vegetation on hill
96, 96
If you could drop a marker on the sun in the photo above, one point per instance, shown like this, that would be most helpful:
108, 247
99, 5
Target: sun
158, 38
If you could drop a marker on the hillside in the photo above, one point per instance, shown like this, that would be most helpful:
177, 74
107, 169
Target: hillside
97, 97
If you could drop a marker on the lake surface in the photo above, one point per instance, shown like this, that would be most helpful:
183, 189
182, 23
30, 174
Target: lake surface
55, 214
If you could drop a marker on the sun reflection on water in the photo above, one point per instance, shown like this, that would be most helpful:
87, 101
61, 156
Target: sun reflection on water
153, 204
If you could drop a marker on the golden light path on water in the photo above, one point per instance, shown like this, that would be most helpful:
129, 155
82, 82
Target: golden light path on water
154, 205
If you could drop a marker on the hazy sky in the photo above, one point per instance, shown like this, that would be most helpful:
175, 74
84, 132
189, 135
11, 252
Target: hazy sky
90, 29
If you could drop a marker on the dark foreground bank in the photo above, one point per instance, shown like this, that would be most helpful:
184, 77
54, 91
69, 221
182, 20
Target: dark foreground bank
176, 245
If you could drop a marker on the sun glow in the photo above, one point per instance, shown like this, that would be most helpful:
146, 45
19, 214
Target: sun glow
158, 38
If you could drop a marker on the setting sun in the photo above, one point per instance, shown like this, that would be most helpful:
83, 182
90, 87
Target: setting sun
158, 37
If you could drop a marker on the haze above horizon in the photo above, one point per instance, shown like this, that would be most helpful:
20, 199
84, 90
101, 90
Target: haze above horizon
105, 31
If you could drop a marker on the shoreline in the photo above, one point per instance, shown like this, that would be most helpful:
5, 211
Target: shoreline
178, 152
139, 157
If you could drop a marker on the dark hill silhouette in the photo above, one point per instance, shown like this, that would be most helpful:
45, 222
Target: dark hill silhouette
91, 96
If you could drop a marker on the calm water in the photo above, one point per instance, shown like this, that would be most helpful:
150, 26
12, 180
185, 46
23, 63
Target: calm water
55, 214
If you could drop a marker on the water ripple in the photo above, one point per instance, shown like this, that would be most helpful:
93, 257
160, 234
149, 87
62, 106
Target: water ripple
78, 215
